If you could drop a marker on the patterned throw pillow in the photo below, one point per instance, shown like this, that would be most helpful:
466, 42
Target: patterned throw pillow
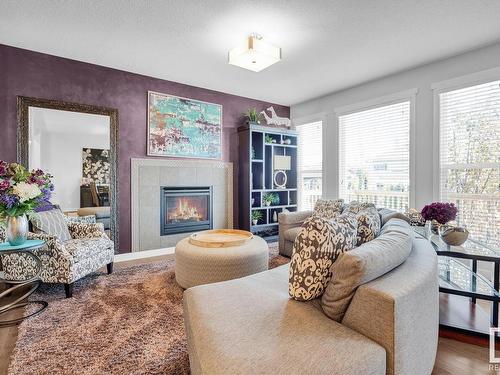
328, 208
317, 246
356, 207
88, 219
368, 225
51, 222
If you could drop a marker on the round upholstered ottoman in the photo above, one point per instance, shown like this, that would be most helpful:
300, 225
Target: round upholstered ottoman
196, 265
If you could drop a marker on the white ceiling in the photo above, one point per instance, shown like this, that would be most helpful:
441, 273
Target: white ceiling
326, 45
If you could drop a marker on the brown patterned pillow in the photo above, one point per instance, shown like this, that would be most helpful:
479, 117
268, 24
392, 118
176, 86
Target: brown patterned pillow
328, 208
368, 225
81, 230
315, 249
356, 207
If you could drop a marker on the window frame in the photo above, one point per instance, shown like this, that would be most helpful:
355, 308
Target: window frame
409, 95
441, 87
320, 117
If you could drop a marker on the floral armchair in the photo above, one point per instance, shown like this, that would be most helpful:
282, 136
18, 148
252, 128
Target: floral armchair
88, 249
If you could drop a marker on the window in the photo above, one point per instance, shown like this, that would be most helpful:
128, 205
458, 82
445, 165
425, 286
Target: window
310, 164
374, 156
469, 158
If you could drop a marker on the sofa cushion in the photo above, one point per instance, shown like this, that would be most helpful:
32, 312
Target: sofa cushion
292, 233
51, 222
394, 224
364, 264
387, 214
328, 208
368, 225
316, 247
250, 326
81, 249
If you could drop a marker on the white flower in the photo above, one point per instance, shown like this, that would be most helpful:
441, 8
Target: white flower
25, 191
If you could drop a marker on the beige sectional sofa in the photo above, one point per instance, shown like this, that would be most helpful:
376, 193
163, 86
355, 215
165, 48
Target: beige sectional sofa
291, 222
251, 326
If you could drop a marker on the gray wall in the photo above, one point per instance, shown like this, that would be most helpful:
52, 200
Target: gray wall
420, 78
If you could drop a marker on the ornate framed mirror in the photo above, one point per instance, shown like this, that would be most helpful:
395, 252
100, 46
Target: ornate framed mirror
78, 145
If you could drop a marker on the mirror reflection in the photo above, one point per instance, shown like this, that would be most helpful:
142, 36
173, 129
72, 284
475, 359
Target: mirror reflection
74, 148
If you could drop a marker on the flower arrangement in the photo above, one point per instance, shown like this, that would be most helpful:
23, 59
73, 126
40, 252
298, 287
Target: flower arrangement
439, 211
22, 191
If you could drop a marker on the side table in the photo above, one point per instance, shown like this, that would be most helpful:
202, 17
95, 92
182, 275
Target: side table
459, 276
33, 283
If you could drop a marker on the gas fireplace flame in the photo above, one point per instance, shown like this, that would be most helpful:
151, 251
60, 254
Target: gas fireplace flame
185, 212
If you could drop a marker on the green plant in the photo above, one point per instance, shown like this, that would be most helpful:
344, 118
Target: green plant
271, 198
268, 139
257, 215
252, 115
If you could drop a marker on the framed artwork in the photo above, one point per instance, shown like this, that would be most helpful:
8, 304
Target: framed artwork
182, 127
95, 165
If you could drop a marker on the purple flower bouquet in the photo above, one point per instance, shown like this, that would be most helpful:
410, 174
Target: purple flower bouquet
441, 212
21, 191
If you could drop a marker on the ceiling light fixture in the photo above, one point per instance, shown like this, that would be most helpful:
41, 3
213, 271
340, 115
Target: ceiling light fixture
254, 54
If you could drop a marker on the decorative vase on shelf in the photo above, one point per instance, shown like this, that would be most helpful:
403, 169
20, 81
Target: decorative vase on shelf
255, 221
453, 236
275, 216
17, 230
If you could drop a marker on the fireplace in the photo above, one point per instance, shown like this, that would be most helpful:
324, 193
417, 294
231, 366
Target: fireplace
185, 209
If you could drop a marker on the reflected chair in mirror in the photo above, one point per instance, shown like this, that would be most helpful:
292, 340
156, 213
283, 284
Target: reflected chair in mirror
73, 250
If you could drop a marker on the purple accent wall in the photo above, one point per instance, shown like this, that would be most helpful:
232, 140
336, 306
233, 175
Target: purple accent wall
39, 75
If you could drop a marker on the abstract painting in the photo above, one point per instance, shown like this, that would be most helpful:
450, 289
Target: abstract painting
95, 165
183, 127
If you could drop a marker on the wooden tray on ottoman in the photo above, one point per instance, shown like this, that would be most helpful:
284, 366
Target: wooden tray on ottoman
220, 238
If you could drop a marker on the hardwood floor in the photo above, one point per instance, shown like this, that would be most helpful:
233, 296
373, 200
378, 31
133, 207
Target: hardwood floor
453, 357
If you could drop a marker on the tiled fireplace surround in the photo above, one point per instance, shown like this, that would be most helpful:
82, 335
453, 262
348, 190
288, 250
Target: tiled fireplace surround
147, 178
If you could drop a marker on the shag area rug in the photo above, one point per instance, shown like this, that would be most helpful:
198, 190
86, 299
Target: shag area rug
129, 322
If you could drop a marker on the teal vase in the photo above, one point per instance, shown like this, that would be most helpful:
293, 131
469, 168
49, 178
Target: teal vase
17, 230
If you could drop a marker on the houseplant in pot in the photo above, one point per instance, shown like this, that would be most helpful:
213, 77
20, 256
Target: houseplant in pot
256, 216
21, 192
252, 116
270, 198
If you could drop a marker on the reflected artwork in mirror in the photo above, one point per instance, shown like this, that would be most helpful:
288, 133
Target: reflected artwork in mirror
77, 145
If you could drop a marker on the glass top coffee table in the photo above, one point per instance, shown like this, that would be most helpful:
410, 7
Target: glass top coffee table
32, 284
458, 275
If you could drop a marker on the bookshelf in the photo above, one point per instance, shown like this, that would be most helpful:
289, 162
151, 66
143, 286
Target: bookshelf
258, 147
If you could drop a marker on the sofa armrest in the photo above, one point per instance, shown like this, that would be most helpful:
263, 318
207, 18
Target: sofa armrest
80, 230
400, 311
288, 220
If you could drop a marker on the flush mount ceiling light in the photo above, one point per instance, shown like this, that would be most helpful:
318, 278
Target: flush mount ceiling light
254, 54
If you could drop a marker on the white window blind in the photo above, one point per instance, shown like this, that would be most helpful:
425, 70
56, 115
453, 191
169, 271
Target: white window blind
469, 138
374, 156
310, 164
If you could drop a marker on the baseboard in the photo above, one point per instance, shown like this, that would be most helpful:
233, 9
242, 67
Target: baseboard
144, 254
